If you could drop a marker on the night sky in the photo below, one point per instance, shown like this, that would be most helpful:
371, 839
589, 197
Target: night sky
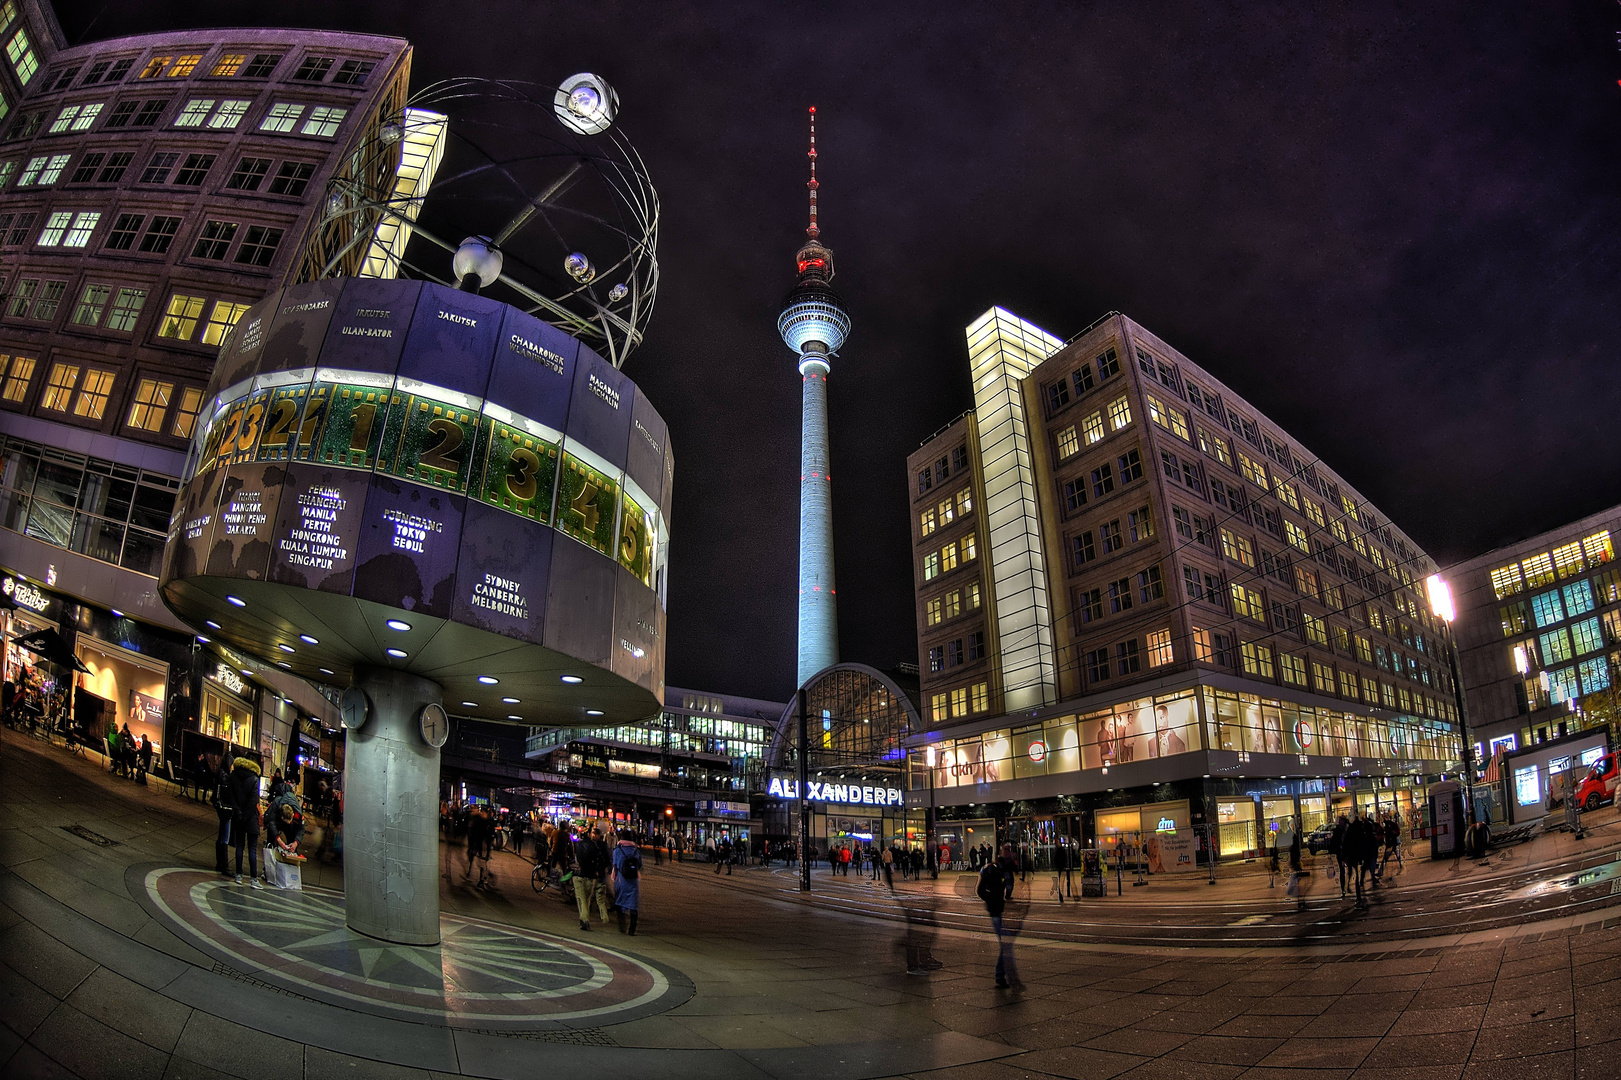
1394, 229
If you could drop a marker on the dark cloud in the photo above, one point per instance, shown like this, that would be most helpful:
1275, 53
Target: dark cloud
1395, 229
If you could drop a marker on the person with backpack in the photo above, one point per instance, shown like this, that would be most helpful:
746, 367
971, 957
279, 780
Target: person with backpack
995, 885
627, 872
590, 868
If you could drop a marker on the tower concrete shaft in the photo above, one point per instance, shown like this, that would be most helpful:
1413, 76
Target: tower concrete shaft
818, 603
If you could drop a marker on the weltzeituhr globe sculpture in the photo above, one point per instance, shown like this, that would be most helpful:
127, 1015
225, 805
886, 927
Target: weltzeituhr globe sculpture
440, 500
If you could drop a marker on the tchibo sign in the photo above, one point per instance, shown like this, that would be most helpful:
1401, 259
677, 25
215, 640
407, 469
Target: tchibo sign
850, 794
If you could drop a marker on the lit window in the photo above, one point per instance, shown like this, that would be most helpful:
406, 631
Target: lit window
971, 596
1119, 413
1578, 599
283, 116
21, 53
1587, 636
18, 377
1292, 668
1159, 648
1316, 629
1237, 548
965, 501
1314, 512
1068, 442
1322, 677
1257, 659
1595, 675
229, 115
21, 296
185, 414
8, 167
947, 514
50, 298
938, 707
1348, 685
980, 697
184, 65
194, 113
229, 64
1547, 609
959, 701
324, 121
953, 603
151, 402
92, 402
932, 613
969, 552
1247, 602
948, 558
180, 320
92, 302
56, 226
1253, 470
59, 388
1285, 492
1596, 547
925, 523
44, 170
75, 118
8, 13
1538, 570
84, 226
154, 67
1296, 536
220, 321
126, 309
1506, 580
931, 566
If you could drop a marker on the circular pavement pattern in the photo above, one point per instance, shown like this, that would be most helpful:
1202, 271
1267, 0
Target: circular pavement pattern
481, 974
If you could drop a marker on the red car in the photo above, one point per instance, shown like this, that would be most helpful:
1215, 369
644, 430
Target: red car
1598, 786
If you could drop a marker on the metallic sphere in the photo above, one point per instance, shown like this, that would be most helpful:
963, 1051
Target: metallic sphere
586, 104
579, 268
618, 293
391, 132
478, 255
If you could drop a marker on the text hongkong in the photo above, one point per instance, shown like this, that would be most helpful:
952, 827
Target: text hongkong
848, 794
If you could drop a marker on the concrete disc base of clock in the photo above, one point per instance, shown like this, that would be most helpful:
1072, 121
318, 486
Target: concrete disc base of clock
391, 813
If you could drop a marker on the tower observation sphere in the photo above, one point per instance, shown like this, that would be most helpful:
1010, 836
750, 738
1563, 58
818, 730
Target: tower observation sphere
815, 325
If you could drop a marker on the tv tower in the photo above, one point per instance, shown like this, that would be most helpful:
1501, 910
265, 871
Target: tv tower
814, 324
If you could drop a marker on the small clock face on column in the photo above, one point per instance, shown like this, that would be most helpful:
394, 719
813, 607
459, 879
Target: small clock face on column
355, 708
435, 725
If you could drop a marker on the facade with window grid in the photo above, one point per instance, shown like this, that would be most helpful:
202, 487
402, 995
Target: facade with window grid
151, 189
1186, 543
1539, 634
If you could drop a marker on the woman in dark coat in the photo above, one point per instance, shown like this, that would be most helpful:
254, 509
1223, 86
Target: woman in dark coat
244, 786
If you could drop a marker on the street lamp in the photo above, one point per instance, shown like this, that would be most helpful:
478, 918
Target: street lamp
1441, 604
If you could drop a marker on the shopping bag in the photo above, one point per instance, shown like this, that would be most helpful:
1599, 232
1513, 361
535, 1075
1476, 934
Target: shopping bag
283, 875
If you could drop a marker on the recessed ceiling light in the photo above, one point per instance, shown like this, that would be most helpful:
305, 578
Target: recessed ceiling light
212, 623
398, 624
308, 640
285, 664
572, 679
284, 648
488, 680
238, 601
116, 613
398, 654
513, 716
204, 640
326, 671
593, 712
245, 671
509, 701
469, 704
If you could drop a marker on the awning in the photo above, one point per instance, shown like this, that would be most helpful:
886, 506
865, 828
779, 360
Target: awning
49, 645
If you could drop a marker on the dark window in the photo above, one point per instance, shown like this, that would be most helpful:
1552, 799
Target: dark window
1193, 583
247, 174
160, 234
1222, 646
214, 240
1285, 617
86, 172
1149, 585
942, 469
1074, 495
959, 459
1273, 520
954, 653
121, 114
195, 170
1126, 660
261, 66
313, 69
120, 69
1097, 664
925, 480
292, 178
1102, 481
353, 72
20, 230
1120, 595
1146, 363
117, 163
976, 646
1081, 549
122, 235
1131, 467
1109, 532
1057, 395
28, 124
1190, 476
97, 70
1083, 379
937, 658
62, 78
1090, 604
158, 168
150, 111
1108, 364
1184, 522
1167, 375
1172, 467
259, 246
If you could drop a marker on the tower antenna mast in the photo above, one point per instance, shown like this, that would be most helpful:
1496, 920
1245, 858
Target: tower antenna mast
813, 230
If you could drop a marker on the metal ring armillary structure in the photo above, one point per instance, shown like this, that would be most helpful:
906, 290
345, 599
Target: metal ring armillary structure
513, 172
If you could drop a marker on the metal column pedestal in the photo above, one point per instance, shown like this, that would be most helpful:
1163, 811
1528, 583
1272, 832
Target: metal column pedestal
391, 814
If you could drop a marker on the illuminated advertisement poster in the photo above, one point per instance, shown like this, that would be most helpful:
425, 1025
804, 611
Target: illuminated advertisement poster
1134, 731
407, 547
585, 503
1176, 727
240, 546
533, 370
501, 574
368, 325
518, 469
1171, 852
451, 342
317, 525
1305, 737
299, 330
1527, 786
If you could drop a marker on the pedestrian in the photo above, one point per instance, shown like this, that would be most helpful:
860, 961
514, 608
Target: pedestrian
627, 873
245, 774
590, 868
1358, 847
889, 866
1336, 848
146, 755
222, 806
478, 832
995, 883
1392, 842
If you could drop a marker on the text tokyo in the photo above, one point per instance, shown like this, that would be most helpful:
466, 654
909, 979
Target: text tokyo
851, 794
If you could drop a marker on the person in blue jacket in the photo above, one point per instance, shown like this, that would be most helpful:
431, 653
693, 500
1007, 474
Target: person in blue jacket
627, 867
